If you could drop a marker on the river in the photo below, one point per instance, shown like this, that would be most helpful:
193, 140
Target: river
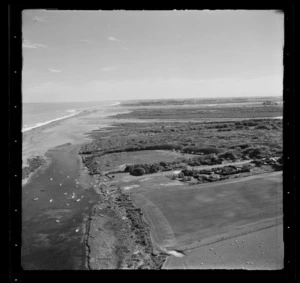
56, 204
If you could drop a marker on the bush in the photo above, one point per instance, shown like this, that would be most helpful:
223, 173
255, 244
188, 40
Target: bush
163, 164
221, 126
206, 162
258, 163
257, 152
246, 168
129, 168
196, 149
262, 127
214, 159
280, 160
243, 146
249, 123
227, 170
187, 172
180, 175
163, 146
186, 178
154, 168
228, 155
138, 171
174, 177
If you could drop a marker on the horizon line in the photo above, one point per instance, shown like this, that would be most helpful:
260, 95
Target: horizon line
174, 98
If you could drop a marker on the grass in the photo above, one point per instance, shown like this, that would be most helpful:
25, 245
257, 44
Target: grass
202, 112
197, 212
113, 161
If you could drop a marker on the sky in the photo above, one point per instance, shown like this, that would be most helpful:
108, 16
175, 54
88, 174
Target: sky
118, 55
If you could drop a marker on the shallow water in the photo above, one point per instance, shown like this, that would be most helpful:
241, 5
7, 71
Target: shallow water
53, 223
36, 114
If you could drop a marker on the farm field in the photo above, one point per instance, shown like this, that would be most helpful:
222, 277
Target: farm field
183, 216
259, 250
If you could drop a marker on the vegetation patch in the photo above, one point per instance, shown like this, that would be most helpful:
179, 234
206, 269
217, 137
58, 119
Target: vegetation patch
33, 164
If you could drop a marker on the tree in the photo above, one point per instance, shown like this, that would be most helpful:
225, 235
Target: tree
129, 168
138, 171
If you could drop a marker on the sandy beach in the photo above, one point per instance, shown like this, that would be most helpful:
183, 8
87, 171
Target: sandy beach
71, 130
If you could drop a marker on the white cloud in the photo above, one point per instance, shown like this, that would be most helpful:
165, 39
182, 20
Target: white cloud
28, 44
114, 39
54, 71
87, 41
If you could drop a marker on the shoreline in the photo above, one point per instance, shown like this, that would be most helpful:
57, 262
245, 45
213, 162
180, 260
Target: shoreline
37, 125
41, 132
74, 112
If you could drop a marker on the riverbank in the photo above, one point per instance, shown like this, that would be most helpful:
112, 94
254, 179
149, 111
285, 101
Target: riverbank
118, 236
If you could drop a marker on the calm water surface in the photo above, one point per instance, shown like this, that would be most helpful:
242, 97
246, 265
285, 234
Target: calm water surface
53, 225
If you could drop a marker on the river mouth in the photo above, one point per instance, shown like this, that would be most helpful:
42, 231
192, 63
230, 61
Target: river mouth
56, 204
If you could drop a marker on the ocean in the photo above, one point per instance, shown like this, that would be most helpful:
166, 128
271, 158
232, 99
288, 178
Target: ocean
38, 114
